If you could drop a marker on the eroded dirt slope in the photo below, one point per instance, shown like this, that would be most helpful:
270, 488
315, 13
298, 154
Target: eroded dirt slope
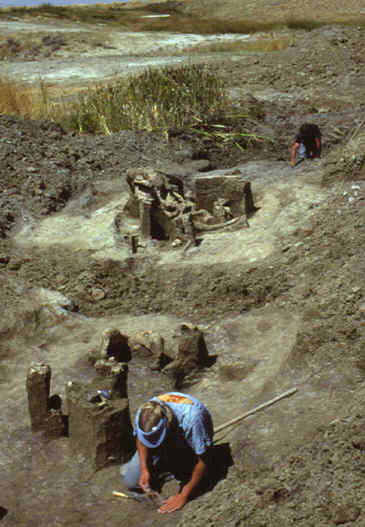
264, 10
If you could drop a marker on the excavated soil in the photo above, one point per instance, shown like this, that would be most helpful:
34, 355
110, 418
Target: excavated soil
281, 302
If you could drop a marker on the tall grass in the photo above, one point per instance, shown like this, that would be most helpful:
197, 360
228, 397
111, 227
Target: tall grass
189, 97
14, 98
261, 45
25, 100
157, 99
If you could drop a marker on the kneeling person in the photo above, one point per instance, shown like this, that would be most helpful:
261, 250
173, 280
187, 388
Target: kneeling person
307, 143
173, 434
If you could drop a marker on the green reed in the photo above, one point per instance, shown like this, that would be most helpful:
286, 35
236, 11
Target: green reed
157, 99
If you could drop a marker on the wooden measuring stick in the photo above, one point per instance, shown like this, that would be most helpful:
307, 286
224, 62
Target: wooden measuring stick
254, 410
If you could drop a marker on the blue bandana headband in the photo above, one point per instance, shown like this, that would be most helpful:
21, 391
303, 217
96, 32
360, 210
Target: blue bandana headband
154, 438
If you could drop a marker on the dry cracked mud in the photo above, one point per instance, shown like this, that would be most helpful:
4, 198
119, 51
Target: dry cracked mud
281, 303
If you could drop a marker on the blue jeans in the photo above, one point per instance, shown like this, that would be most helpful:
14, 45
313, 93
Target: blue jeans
302, 152
131, 472
165, 464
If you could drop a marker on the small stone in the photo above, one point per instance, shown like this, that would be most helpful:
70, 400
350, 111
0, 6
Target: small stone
4, 258
177, 243
359, 442
61, 279
345, 513
15, 264
97, 293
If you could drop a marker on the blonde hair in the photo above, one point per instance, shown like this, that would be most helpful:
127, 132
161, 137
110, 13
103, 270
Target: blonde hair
151, 414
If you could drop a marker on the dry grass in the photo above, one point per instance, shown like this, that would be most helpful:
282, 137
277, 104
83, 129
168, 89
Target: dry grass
15, 98
189, 97
29, 45
264, 45
26, 100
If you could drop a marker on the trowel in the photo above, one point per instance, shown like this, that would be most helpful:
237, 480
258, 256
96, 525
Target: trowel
151, 496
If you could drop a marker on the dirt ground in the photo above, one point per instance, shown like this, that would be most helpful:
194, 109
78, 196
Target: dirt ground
281, 303
269, 10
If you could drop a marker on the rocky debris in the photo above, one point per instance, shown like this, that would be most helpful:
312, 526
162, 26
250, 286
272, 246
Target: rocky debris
345, 513
347, 162
318, 484
54, 300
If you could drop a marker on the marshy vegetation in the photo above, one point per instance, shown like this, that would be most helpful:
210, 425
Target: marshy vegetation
157, 99
190, 98
22, 99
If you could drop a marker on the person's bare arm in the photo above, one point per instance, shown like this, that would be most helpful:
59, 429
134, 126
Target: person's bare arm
144, 480
318, 144
294, 153
174, 503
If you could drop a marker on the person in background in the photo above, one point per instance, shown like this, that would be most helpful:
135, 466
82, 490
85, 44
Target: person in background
173, 434
307, 143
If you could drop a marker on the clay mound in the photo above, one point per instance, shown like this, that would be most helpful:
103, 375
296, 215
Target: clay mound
307, 488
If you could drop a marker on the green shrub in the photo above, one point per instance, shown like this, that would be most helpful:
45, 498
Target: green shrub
304, 23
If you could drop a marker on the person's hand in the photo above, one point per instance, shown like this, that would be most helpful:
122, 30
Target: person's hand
144, 480
173, 503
